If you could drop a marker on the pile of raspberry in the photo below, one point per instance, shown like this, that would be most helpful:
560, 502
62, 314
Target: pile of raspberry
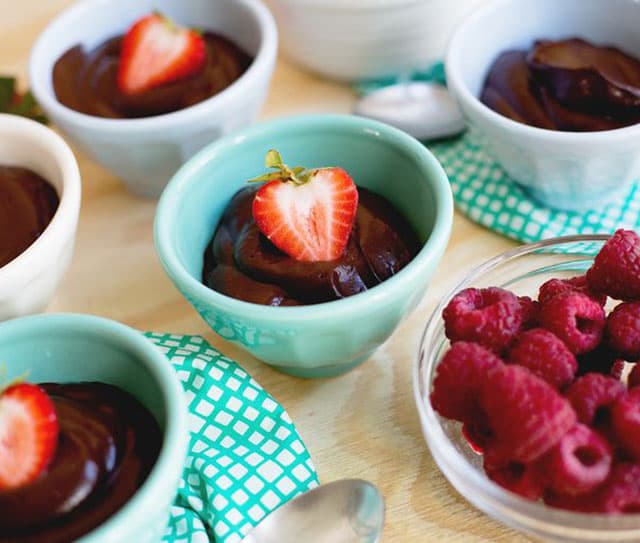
537, 384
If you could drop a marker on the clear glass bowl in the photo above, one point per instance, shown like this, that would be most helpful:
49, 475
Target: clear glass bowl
521, 270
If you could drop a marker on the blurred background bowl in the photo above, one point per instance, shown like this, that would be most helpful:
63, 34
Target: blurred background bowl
521, 270
358, 39
316, 340
66, 348
146, 152
565, 170
28, 282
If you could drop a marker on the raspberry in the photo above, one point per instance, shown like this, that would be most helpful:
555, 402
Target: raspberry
553, 287
592, 396
530, 309
545, 355
621, 492
616, 268
633, 380
601, 360
523, 479
576, 319
578, 463
623, 330
477, 432
490, 316
527, 416
585, 503
625, 420
617, 369
458, 379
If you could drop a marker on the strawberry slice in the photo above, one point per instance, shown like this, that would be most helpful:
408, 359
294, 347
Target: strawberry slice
308, 214
156, 51
28, 434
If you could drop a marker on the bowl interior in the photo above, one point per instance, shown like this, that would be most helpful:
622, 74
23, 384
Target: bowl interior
91, 22
29, 147
522, 271
68, 348
509, 24
376, 157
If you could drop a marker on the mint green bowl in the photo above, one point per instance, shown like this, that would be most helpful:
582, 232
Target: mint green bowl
68, 348
317, 340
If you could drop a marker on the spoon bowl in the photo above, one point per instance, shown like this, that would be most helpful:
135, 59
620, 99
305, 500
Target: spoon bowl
345, 511
424, 110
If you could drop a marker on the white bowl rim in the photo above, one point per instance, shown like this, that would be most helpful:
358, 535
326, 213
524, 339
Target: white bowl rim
454, 79
65, 217
263, 59
522, 514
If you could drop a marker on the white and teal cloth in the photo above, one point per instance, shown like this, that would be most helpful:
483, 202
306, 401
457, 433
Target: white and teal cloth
245, 456
486, 194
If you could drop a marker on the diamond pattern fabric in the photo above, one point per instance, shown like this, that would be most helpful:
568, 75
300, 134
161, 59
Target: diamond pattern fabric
245, 456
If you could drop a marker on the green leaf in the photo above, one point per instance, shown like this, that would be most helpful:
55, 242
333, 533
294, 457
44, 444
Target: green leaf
26, 107
273, 159
297, 175
7, 90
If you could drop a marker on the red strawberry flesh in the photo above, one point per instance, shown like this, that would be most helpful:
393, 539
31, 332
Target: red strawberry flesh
28, 434
310, 218
155, 51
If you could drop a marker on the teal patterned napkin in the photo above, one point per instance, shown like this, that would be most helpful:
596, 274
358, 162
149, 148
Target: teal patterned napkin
245, 456
484, 192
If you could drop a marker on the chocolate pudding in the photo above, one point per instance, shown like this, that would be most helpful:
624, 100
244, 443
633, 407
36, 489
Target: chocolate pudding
569, 85
107, 445
27, 205
242, 263
86, 80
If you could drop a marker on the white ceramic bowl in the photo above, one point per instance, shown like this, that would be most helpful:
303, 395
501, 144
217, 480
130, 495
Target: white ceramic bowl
356, 39
146, 152
28, 281
566, 170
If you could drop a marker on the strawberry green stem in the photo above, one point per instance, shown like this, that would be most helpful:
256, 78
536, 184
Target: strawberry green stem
297, 175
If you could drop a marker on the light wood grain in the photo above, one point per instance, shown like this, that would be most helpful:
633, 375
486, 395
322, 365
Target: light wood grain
363, 424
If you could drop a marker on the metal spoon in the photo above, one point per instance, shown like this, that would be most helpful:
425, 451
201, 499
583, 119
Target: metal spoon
424, 110
345, 511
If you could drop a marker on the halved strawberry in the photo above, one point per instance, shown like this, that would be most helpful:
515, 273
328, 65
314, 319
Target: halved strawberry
308, 214
156, 51
28, 434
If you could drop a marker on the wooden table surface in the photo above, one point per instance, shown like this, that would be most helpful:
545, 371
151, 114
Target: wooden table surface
363, 424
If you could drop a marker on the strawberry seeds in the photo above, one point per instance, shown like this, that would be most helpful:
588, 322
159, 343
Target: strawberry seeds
156, 51
308, 214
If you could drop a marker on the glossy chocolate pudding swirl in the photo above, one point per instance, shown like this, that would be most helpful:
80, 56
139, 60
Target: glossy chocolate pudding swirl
569, 85
107, 445
27, 205
242, 263
86, 81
